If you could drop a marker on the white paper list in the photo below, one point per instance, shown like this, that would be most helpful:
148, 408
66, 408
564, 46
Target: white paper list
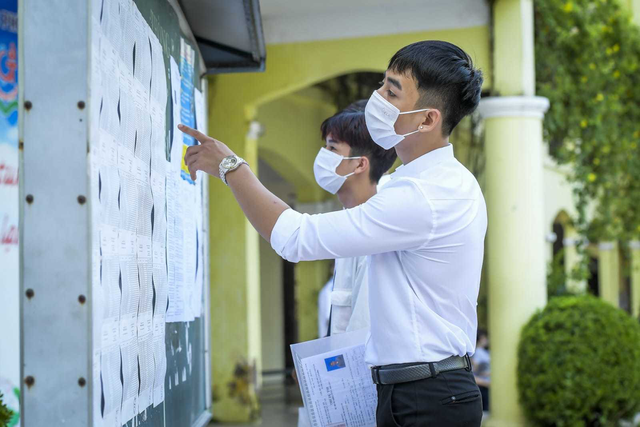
335, 381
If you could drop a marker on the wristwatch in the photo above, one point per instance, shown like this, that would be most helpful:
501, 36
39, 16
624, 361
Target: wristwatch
228, 164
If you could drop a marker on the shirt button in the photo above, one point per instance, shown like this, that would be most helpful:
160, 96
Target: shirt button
453, 398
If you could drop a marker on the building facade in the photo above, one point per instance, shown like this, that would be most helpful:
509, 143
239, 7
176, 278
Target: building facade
260, 303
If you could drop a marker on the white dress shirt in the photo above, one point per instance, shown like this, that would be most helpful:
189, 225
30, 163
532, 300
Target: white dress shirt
425, 234
350, 296
324, 308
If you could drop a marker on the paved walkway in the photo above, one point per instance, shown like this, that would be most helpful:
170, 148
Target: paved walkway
279, 407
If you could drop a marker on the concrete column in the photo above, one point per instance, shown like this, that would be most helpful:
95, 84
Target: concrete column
513, 59
235, 282
572, 259
635, 278
609, 272
516, 245
516, 268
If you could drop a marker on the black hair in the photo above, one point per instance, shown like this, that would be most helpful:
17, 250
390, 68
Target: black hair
482, 333
445, 76
349, 126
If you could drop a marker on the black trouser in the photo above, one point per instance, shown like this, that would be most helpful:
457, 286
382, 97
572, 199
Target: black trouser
451, 399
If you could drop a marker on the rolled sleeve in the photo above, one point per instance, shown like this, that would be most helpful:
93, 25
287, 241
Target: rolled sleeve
397, 218
287, 224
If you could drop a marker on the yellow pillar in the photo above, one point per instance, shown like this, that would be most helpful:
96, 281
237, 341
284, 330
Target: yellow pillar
514, 191
609, 272
513, 59
515, 240
572, 259
235, 280
635, 278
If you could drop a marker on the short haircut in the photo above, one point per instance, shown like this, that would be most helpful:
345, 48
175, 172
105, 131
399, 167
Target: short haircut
349, 126
446, 79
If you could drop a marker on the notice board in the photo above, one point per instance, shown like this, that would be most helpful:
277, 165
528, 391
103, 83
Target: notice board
115, 302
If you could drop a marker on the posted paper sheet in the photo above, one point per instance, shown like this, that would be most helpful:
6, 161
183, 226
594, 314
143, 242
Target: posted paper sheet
145, 223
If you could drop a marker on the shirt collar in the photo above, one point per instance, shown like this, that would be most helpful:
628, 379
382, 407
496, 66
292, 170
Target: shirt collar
424, 162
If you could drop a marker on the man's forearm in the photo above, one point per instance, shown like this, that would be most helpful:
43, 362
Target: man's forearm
259, 205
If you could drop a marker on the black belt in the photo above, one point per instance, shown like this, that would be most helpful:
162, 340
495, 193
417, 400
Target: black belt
395, 374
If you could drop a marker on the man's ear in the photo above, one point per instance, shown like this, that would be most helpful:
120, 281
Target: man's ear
363, 165
432, 119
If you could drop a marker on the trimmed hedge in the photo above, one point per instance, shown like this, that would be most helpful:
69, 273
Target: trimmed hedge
579, 364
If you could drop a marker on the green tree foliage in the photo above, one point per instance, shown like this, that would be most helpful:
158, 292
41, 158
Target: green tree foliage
579, 364
588, 65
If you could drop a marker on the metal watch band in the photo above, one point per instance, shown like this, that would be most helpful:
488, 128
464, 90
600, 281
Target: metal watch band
224, 170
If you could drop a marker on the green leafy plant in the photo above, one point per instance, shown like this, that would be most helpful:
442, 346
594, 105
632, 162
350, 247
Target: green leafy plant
587, 63
579, 364
5, 413
556, 276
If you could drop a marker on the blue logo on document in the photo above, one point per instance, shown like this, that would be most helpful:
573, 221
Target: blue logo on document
335, 362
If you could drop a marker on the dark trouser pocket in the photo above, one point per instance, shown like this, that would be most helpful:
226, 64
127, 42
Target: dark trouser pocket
384, 411
451, 399
468, 396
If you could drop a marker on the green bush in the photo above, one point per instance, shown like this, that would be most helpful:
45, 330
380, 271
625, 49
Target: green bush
579, 364
5, 413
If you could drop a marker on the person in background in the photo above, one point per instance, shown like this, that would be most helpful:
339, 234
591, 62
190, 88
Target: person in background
324, 305
481, 361
350, 165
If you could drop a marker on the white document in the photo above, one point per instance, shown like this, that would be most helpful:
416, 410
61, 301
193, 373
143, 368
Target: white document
180, 279
128, 170
176, 135
196, 299
335, 381
175, 240
189, 246
198, 100
158, 188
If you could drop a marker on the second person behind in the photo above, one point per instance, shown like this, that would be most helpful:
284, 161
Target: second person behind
350, 165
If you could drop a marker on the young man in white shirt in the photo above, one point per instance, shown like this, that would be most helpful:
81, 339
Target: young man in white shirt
350, 165
424, 232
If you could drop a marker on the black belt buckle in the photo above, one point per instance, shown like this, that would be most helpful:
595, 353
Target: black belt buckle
434, 370
375, 375
468, 359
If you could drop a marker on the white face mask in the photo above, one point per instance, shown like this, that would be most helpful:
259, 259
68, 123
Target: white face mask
324, 169
380, 116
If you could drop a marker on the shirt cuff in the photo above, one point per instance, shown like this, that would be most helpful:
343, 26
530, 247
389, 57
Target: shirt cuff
287, 224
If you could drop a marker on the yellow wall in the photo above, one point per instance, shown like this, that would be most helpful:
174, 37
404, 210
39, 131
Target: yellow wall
235, 100
291, 139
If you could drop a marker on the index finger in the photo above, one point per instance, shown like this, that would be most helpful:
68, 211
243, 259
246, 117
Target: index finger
194, 133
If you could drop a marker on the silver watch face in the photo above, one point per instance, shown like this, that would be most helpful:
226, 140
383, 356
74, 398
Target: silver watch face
229, 162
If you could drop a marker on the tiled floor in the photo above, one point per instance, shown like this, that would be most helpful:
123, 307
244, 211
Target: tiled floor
279, 407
